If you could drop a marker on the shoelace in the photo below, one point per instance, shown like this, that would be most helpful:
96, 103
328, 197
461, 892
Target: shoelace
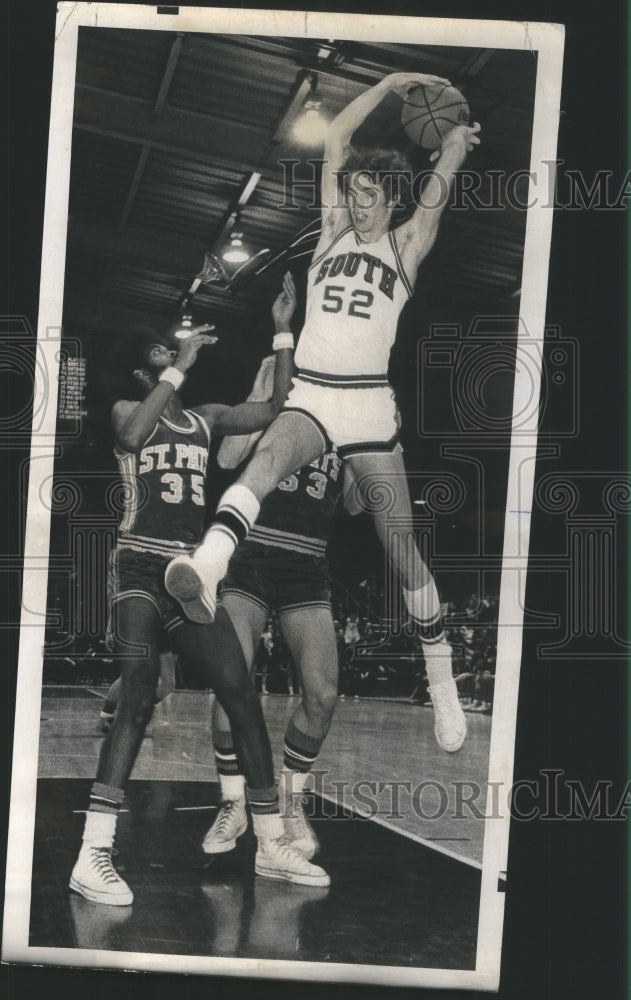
285, 852
226, 815
102, 861
297, 813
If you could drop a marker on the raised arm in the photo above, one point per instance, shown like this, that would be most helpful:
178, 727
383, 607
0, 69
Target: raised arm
339, 136
254, 416
133, 422
416, 237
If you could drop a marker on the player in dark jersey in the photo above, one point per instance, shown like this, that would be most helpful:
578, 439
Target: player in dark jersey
282, 567
162, 451
362, 273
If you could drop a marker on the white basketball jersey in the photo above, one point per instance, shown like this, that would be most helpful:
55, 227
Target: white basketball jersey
355, 294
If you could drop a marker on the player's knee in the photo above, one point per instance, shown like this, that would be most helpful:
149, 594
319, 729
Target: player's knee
265, 464
320, 702
137, 698
237, 694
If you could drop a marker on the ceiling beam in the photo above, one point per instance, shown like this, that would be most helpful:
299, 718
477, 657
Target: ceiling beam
133, 187
175, 130
169, 70
158, 107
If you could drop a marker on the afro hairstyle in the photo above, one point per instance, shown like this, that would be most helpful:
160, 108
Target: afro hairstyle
128, 354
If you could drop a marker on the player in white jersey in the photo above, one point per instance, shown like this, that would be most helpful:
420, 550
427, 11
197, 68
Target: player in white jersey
358, 285
359, 281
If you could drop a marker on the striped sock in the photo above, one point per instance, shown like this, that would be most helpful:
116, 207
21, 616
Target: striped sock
300, 750
424, 608
225, 754
237, 511
101, 817
106, 798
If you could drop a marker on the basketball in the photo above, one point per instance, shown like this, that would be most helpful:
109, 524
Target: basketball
429, 113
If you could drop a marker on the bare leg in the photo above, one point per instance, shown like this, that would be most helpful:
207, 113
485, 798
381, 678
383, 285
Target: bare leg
310, 636
383, 488
228, 674
382, 485
288, 444
217, 650
166, 682
137, 621
249, 621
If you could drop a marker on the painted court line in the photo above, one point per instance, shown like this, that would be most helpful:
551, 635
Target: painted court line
405, 833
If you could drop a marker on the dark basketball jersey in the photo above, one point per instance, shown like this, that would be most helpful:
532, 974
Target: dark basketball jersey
164, 488
297, 515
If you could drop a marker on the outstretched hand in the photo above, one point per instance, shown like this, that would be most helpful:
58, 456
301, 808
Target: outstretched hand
204, 328
284, 304
464, 136
403, 83
188, 349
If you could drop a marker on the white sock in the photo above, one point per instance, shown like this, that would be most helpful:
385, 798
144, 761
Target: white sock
293, 782
438, 662
241, 509
232, 786
99, 829
241, 500
217, 547
267, 826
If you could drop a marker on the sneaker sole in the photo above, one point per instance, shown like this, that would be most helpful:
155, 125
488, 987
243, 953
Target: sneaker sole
183, 583
228, 845
314, 880
451, 748
104, 898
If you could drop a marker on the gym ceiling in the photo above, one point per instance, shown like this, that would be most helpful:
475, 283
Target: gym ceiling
171, 131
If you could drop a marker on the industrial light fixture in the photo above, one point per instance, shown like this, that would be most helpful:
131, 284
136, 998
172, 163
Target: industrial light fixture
235, 252
185, 329
311, 127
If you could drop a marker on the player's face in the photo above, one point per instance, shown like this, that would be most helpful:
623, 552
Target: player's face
368, 205
159, 356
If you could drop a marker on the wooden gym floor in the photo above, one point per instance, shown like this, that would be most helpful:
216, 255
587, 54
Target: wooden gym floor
404, 887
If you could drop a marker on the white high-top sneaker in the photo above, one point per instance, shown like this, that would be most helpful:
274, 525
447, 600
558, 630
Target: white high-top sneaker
231, 822
95, 877
298, 831
279, 860
193, 583
450, 725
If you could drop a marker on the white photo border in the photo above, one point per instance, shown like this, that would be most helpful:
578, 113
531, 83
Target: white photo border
547, 40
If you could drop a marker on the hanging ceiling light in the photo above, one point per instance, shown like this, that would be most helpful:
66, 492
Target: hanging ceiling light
311, 126
235, 252
185, 329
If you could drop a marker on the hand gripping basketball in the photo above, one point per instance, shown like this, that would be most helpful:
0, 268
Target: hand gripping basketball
403, 83
464, 136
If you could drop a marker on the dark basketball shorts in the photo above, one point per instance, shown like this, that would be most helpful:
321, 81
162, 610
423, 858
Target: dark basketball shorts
141, 574
278, 579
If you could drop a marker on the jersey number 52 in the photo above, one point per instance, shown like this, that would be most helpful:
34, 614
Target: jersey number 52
361, 299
